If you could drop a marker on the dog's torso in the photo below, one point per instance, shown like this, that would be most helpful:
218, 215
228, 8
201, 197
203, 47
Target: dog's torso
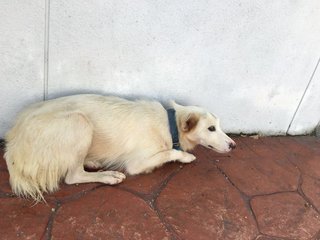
123, 131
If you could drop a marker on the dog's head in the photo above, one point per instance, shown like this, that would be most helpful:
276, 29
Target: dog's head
198, 126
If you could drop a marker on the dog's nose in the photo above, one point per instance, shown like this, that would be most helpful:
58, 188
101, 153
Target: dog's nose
232, 145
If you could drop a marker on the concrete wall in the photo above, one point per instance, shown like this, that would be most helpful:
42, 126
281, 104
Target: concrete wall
21, 57
253, 63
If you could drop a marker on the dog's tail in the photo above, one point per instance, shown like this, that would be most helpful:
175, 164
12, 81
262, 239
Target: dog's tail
30, 179
38, 157
32, 167
22, 185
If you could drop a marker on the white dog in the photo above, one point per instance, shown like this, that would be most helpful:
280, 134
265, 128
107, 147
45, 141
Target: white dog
54, 140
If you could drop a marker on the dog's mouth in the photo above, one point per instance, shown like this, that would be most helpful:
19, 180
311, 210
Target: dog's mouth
214, 149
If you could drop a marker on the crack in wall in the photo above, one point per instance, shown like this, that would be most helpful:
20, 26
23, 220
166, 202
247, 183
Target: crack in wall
302, 97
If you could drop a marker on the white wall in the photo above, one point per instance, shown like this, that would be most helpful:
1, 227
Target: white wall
250, 62
21, 57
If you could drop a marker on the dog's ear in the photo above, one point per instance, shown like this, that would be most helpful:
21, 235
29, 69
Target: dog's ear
189, 122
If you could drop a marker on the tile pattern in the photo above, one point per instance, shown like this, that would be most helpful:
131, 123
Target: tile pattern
267, 189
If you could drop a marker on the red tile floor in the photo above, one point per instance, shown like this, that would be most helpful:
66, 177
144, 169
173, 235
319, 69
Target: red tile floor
268, 188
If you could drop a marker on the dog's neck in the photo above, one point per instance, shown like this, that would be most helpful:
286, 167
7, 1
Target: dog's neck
173, 127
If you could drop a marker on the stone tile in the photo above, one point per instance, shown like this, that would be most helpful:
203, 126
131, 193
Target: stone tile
107, 213
260, 147
306, 156
261, 175
285, 215
21, 219
256, 146
311, 188
311, 142
148, 183
261, 167
272, 146
316, 237
309, 165
200, 203
4, 182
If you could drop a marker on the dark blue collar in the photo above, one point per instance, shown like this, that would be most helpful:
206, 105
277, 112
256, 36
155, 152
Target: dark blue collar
173, 128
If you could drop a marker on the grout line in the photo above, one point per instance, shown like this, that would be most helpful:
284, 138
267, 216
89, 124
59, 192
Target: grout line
46, 50
144, 196
48, 229
304, 196
151, 200
154, 201
78, 195
303, 95
159, 188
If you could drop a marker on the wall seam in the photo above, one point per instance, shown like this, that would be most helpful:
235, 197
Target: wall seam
303, 95
46, 50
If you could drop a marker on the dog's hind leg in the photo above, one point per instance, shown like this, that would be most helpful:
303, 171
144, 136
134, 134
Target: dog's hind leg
79, 175
76, 173
158, 160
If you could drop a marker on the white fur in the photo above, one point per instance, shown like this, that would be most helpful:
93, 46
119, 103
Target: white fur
53, 141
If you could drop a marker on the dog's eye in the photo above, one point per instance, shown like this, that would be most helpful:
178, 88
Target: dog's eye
212, 128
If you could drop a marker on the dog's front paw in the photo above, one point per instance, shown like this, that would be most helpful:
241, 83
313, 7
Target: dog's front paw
112, 177
187, 158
